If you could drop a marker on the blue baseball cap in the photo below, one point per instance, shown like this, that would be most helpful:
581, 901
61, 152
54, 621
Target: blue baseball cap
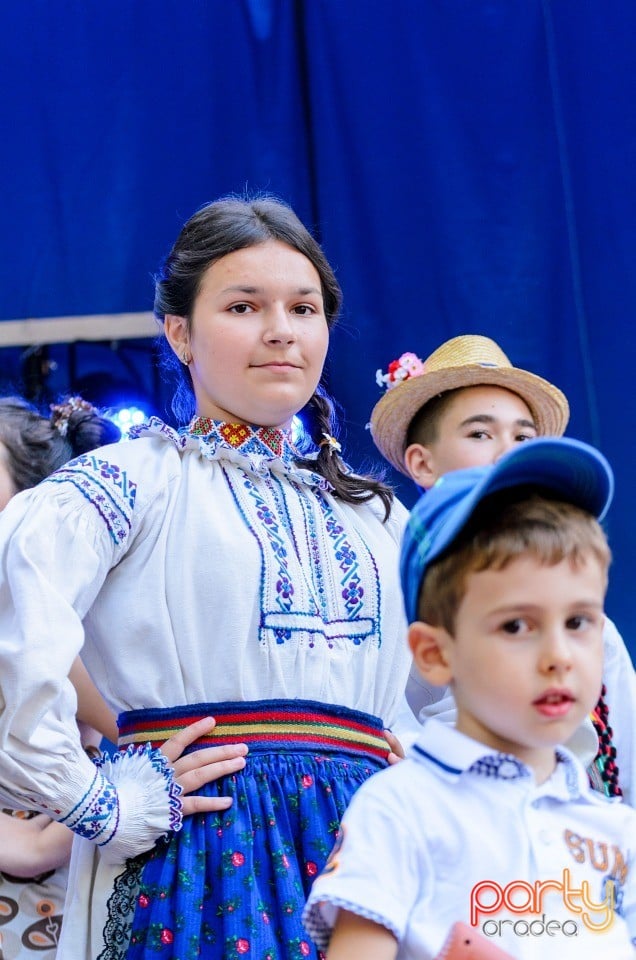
574, 471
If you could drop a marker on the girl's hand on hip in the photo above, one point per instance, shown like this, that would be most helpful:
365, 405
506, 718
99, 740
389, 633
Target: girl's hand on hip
396, 748
202, 766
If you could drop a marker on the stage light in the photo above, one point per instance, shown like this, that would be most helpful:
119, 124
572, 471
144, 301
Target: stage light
126, 417
297, 431
118, 399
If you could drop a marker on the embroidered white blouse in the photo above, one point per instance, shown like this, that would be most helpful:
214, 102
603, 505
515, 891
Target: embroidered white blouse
187, 568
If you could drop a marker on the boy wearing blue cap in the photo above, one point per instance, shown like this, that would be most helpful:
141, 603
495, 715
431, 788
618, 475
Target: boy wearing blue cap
465, 406
492, 823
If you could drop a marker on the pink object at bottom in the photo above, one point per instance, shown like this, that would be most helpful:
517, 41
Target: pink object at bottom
466, 943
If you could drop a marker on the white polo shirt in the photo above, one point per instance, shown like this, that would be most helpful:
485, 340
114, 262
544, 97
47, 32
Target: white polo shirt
457, 832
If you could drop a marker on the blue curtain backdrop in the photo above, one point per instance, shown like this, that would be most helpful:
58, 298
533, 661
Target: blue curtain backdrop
469, 166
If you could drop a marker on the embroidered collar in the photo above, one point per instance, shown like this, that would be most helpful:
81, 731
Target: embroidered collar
266, 441
258, 450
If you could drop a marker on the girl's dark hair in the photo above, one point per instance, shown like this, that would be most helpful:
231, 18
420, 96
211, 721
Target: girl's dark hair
220, 228
37, 445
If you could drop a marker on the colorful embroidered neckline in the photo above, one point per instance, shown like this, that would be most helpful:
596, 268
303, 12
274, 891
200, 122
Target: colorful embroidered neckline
257, 449
242, 437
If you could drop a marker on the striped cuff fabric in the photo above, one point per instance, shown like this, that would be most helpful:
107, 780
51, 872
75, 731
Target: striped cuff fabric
132, 801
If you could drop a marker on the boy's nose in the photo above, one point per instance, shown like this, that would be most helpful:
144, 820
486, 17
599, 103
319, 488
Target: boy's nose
503, 443
556, 655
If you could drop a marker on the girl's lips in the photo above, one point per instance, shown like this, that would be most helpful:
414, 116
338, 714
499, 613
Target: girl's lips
276, 366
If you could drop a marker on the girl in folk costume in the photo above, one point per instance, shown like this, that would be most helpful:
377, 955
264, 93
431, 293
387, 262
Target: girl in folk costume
218, 573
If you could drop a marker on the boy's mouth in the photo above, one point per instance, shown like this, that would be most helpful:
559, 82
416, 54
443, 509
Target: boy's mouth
554, 703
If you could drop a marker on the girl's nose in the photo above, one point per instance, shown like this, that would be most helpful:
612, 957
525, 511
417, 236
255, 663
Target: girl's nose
279, 327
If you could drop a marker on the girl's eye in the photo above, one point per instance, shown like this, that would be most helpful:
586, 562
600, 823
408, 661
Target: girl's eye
304, 310
524, 437
577, 623
479, 435
240, 308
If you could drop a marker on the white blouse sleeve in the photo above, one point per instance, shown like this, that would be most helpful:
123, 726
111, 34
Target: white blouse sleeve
55, 552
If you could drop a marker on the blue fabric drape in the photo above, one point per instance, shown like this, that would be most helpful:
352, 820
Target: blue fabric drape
468, 164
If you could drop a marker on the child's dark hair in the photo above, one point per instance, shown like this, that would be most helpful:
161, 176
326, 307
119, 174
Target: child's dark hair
220, 228
423, 427
505, 526
37, 445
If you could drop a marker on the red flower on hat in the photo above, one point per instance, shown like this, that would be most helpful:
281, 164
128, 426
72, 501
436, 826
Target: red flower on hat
407, 366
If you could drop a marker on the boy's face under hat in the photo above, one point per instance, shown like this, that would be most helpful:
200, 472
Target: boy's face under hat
574, 471
465, 361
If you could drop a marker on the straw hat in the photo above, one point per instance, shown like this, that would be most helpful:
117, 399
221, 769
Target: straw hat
465, 361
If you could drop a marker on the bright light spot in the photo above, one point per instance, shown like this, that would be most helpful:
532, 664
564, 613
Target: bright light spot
297, 430
126, 417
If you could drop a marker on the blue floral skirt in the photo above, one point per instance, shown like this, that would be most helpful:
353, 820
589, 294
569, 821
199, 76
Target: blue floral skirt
234, 883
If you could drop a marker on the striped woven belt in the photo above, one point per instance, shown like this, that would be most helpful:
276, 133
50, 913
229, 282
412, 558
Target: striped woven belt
265, 725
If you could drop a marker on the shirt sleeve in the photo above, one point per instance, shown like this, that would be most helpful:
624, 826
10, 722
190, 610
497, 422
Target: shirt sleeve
53, 559
373, 870
57, 544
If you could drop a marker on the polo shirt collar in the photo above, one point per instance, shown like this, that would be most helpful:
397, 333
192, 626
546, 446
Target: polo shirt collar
455, 754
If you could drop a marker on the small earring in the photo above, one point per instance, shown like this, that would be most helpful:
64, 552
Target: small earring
186, 359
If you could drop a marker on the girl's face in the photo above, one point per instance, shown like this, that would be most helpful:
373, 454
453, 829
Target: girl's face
258, 336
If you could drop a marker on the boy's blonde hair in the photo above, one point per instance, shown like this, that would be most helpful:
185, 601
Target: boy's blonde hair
505, 526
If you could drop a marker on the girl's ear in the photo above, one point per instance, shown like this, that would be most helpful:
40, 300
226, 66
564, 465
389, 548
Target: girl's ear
177, 334
420, 464
429, 648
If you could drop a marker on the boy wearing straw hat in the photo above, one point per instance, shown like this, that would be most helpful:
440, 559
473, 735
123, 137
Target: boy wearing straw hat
493, 824
465, 406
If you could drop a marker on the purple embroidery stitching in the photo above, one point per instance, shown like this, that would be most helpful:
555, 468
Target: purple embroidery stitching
106, 486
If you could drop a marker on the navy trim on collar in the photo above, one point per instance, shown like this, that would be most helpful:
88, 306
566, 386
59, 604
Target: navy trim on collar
444, 766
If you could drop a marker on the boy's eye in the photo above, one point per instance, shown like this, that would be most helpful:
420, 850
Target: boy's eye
304, 310
479, 434
514, 626
524, 437
577, 622
240, 308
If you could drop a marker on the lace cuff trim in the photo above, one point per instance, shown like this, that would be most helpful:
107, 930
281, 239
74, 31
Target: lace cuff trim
320, 928
132, 801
